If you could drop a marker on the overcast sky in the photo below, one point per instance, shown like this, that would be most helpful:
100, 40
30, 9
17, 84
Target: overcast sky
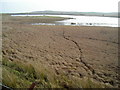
59, 5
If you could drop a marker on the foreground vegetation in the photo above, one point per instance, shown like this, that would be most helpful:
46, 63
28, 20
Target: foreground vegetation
18, 74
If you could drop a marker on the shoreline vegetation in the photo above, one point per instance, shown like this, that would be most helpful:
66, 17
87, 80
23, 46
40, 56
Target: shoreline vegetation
34, 19
58, 56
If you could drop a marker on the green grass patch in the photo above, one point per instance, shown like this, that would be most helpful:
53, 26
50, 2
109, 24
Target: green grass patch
18, 74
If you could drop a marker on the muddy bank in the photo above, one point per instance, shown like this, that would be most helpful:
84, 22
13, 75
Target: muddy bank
70, 50
32, 19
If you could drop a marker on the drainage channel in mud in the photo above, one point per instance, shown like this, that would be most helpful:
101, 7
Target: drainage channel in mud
80, 54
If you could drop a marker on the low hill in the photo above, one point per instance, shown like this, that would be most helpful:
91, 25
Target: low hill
109, 14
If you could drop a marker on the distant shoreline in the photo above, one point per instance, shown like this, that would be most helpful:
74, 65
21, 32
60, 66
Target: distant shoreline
61, 14
115, 14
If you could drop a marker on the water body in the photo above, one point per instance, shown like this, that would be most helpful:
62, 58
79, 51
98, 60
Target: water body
81, 21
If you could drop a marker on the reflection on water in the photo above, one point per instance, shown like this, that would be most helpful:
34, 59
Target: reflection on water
81, 21
77, 24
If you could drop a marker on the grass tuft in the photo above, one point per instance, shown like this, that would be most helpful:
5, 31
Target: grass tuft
17, 74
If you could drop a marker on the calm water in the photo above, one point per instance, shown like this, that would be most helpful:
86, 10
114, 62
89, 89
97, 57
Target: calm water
81, 21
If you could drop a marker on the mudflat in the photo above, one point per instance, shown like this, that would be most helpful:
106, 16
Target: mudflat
77, 52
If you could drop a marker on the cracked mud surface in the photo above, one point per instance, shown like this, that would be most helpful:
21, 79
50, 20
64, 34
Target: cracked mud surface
71, 50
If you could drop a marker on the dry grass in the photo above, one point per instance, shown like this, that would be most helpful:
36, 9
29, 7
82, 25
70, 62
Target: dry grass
21, 75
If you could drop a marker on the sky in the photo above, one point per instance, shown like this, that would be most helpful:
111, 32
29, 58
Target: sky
16, 6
